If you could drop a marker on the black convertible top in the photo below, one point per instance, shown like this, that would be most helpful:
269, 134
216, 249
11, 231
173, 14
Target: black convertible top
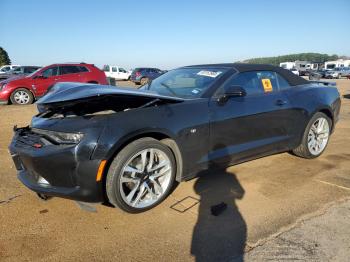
292, 79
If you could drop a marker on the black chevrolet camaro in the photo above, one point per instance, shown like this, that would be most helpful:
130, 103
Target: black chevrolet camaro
128, 147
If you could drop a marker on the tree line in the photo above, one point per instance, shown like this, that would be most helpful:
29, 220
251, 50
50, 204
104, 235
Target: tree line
276, 60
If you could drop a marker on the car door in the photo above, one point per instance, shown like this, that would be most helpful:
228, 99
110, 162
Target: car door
122, 73
69, 73
252, 125
45, 79
152, 73
115, 73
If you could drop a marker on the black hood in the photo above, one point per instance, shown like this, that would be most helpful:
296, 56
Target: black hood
67, 91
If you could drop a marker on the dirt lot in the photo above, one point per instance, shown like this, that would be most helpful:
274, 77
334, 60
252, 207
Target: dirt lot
265, 197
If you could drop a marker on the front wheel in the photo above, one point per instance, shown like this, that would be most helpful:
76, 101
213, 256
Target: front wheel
141, 176
22, 96
315, 138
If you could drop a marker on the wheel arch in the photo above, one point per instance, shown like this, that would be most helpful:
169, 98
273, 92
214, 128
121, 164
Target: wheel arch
163, 137
23, 87
328, 112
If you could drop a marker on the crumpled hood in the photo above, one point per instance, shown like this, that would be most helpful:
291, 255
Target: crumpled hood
68, 91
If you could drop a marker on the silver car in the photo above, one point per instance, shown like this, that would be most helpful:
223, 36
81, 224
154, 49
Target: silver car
343, 71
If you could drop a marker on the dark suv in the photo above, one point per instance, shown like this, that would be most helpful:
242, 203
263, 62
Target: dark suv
143, 75
26, 89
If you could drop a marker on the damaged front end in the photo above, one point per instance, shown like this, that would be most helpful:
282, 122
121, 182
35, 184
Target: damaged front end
54, 155
73, 99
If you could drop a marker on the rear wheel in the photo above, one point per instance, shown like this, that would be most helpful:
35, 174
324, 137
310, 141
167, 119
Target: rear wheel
315, 138
144, 80
141, 176
21, 96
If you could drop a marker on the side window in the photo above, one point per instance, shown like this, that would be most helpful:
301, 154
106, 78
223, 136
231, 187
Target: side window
52, 71
106, 68
64, 70
268, 80
114, 69
248, 80
83, 69
282, 83
122, 70
17, 70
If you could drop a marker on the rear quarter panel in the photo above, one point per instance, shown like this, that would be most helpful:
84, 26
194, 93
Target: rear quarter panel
306, 100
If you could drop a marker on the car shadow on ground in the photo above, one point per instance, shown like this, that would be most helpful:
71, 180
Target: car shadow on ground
347, 96
222, 237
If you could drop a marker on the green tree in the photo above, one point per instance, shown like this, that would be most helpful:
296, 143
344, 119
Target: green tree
4, 57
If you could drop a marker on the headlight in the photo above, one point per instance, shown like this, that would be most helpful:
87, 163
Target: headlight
59, 137
2, 86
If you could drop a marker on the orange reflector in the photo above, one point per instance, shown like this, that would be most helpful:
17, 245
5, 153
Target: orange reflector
100, 170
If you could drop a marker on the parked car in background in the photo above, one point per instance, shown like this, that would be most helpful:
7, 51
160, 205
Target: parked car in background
26, 89
343, 71
331, 74
294, 71
315, 75
116, 72
5, 68
19, 71
181, 123
143, 75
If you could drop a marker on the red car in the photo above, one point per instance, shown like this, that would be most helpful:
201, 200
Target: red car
24, 90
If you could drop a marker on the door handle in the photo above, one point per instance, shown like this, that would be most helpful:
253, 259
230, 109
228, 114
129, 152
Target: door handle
280, 102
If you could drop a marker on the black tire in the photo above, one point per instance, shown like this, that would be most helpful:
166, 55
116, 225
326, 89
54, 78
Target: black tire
144, 80
29, 98
303, 150
115, 171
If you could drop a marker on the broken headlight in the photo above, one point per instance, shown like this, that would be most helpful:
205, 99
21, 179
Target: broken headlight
59, 137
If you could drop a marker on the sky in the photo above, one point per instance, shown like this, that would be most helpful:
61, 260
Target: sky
168, 34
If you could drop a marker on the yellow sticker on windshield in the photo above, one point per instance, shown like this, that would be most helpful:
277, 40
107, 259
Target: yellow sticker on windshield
267, 85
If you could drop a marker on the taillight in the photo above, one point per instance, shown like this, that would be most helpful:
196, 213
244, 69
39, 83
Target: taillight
137, 73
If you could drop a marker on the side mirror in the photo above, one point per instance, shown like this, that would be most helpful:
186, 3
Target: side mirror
232, 91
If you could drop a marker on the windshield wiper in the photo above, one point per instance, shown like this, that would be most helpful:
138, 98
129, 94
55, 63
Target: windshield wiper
168, 88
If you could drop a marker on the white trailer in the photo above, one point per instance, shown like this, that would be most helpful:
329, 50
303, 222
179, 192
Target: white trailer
287, 65
337, 63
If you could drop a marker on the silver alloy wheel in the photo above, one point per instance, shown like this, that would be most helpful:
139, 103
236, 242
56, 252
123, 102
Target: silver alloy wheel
145, 178
318, 136
21, 97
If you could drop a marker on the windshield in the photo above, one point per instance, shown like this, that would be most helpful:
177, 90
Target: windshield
185, 82
30, 75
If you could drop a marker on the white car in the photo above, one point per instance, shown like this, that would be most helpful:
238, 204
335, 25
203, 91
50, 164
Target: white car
116, 72
294, 71
5, 68
333, 74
